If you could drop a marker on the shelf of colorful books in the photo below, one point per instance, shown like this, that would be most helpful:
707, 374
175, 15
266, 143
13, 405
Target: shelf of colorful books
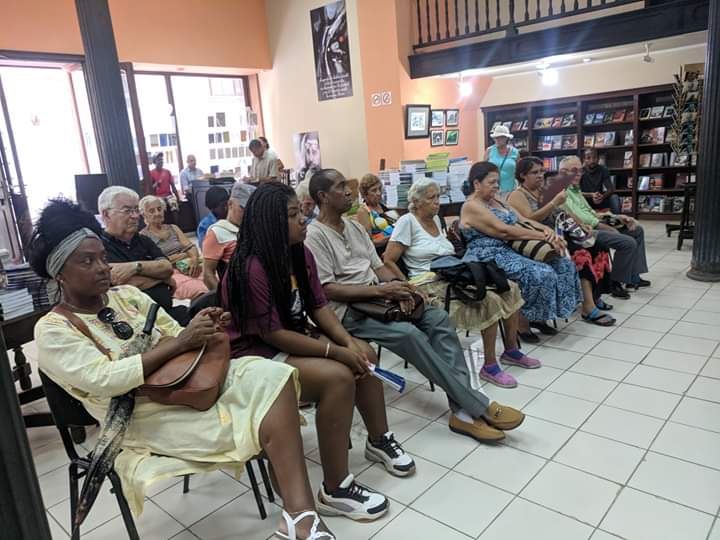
663, 169
658, 215
558, 151
610, 125
564, 129
673, 191
650, 145
608, 147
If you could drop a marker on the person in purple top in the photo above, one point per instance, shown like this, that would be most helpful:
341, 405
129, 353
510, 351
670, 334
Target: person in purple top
279, 311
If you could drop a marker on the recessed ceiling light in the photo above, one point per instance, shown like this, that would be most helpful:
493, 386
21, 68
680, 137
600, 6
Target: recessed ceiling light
587, 60
549, 77
542, 65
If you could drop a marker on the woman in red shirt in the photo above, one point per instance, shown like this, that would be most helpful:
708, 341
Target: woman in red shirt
163, 186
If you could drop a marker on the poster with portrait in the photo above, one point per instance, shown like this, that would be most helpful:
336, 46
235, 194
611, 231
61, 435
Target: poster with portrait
332, 51
307, 153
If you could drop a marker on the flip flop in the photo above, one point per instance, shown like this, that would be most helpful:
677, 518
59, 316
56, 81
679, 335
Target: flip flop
600, 319
603, 306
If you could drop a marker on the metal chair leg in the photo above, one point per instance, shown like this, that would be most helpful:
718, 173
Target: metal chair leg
256, 489
379, 352
266, 479
73, 474
186, 483
502, 330
124, 508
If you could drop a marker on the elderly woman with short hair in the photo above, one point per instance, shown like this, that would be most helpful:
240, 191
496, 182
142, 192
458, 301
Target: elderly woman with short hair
183, 254
373, 214
418, 239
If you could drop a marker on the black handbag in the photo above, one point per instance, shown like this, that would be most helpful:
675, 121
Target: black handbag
389, 310
469, 281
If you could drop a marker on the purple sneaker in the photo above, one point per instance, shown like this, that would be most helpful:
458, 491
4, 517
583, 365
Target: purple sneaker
501, 378
516, 357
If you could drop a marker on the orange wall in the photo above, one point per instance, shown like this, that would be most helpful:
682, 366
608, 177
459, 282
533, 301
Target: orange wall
222, 33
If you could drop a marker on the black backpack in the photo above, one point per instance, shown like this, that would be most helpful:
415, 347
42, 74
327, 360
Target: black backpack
468, 281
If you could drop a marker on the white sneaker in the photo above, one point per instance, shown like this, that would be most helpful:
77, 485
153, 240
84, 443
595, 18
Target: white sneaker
391, 454
352, 500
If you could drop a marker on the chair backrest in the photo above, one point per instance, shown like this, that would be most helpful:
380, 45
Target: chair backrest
208, 299
66, 410
454, 234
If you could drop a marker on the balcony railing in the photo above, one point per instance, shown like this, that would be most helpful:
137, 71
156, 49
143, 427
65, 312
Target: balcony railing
445, 21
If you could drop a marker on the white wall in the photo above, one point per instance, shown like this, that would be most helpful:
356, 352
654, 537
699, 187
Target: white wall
289, 95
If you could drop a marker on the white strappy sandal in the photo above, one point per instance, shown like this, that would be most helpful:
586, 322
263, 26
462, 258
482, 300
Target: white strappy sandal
314, 533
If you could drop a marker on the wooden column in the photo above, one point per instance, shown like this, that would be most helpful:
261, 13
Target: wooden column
106, 96
705, 265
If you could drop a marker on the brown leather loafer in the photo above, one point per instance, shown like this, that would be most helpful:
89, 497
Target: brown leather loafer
478, 430
502, 417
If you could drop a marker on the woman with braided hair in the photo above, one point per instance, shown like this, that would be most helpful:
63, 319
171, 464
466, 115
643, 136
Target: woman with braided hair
256, 410
272, 290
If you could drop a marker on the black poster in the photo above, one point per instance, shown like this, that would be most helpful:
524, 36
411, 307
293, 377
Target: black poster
332, 51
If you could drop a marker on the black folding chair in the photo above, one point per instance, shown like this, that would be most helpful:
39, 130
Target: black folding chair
70, 416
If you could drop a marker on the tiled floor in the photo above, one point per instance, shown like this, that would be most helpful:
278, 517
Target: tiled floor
622, 440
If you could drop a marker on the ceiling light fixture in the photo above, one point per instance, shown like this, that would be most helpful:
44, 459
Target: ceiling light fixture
543, 65
549, 76
587, 60
465, 87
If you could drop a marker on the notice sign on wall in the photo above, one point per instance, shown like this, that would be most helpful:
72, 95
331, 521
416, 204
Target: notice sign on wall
332, 51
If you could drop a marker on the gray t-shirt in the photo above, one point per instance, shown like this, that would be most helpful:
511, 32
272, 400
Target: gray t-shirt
347, 259
267, 165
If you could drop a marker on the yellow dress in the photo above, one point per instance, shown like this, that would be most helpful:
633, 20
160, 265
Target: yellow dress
226, 435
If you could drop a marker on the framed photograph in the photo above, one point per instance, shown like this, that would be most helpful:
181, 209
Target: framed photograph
437, 137
452, 117
211, 121
451, 137
437, 118
417, 121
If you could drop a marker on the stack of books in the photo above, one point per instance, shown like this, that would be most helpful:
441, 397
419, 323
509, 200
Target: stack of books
458, 173
609, 117
21, 276
396, 185
15, 303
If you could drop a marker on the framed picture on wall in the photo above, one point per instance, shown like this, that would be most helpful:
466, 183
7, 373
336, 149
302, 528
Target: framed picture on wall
437, 118
452, 117
451, 137
417, 121
437, 137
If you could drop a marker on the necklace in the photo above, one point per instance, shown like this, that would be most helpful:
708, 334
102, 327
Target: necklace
72, 307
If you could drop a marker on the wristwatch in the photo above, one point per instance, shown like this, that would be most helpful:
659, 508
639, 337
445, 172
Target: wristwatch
138, 267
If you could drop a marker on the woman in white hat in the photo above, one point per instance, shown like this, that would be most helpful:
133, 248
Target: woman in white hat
504, 156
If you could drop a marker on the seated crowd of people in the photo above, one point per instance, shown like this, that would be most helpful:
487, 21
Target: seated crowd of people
286, 274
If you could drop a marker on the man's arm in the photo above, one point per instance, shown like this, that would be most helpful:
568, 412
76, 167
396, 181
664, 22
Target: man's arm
210, 273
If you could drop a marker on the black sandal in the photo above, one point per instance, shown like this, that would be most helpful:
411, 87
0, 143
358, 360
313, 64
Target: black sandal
603, 306
528, 337
544, 328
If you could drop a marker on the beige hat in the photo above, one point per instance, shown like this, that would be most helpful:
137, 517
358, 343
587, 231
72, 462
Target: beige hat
501, 131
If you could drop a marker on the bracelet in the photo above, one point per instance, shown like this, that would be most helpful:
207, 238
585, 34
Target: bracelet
327, 349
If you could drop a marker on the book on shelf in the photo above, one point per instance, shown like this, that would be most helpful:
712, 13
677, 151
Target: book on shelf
629, 138
630, 182
589, 117
538, 123
657, 159
547, 143
605, 138
602, 159
599, 118
657, 112
630, 115
495, 124
681, 178
569, 142
652, 136
508, 124
626, 204
628, 160
678, 160
645, 113
643, 183
524, 125
556, 142
669, 111
608, 117
618, 116
551, 163
568, 120
547, 122
644, 161
516, 125
656, 181
520, 143
557, 122
588, 141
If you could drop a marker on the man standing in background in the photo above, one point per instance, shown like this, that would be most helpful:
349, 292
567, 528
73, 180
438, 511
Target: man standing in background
264, 167
189, 174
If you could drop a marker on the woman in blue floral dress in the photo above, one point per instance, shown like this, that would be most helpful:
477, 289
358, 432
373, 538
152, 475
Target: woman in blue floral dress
550, 290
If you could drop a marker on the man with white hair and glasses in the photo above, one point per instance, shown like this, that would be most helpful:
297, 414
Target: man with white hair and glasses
135, 259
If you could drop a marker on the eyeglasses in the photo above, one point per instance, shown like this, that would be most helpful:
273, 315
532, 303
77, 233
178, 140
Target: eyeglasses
128, 210
122, 329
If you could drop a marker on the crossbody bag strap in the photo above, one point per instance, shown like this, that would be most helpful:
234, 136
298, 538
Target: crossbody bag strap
78, 323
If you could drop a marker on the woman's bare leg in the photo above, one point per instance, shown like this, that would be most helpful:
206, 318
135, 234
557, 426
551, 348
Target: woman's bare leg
280, 438
511, 330
370, 398
523, 324
588, 300
331, 385
489, 335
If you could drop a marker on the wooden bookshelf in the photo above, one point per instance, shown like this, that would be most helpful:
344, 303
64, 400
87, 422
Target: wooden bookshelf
631, 102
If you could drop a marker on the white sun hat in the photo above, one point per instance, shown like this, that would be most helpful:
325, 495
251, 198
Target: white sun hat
501, 131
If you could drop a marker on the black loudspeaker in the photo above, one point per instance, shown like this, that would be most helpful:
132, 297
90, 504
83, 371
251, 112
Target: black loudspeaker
88, 188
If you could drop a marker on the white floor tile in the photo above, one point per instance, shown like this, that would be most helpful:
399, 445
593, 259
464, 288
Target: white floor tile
412, 524
501, 466
621, 351
423, 402
404, 424
572, 343
643, 517
357, 530
104, 509
660, 379
438, 444
56, 531
708, 305
605, 368
404, 490
635, 337
471, 508
712, 368
184, 535
705, 388
668, 300
153, 524
684, 328
623, 426
537, 378
674, 360
689, 443
54, 486
679, 481
698, 413
565, 410
653, 324
49, 457
512, 397
691, 345
523, 519
582, 328
538, 437
670, 313
556, 358
602, 457
643, 400
572, 492
602, 535
582, 386
699, 316
715, 534
238, 519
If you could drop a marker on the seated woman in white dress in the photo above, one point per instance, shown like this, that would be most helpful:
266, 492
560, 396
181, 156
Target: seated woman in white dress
257, 407
418, 240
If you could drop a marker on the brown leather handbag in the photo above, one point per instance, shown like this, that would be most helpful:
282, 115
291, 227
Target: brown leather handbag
194, 379
389, 310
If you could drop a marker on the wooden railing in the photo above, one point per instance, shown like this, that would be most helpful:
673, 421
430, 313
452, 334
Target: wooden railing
445, 21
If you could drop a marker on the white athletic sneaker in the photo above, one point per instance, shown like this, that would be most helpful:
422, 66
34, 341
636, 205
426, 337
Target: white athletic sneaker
391, 454
352, 500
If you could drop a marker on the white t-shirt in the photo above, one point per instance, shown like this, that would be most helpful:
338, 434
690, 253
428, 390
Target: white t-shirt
421, 247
